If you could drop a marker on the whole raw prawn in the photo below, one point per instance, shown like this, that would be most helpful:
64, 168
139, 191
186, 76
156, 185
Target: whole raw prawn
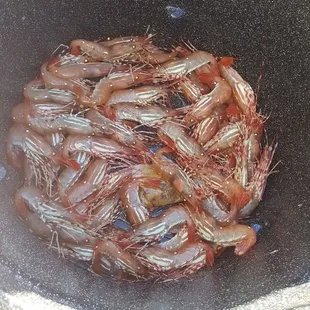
241, 90
137, 212
101, 52
241, 236
35, 91
204, 130
81, 91
93, 178
97, 147
42, 158
176, 137
117, 131
175, 69
146, 115
140, 95
117, 81
154, 229
163, 260
259, 180
221, 92
82, 70
123, 263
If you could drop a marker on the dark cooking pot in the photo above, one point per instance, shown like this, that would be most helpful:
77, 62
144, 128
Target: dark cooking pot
271, 37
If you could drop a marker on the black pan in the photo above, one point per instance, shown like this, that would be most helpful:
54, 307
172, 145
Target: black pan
271, 37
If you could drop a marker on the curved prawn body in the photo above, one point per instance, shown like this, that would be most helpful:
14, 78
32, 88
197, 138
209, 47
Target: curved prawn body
191, 91
232, 190
253, 135
154, 229
218, 210
241, 236
54, 215
41, 156
81, 252
259, 180
35, 91
69, 124
137, 212
176, 69
162, 196
104, 214
69, 176
146, 115
142, 95
180, 238
117, 81
46, 109
225, 138
32, 220
204, 130
203, 108
82, 92
84, 70
123, 264
92, 179
242, 92
118, 179
176, 138
96, 146
50, 211
162, 260
178, 179
117, 131
102, 52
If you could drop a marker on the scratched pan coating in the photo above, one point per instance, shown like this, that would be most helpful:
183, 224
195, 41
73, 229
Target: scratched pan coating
274, 33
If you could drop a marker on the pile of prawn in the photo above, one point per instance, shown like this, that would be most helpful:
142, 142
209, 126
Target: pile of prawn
119, 178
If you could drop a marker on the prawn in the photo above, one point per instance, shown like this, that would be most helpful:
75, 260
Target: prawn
180, 238
97, 147
104, 214
241, 236
223, 139
82, 70
92, 179
35, 91
258, 182
154, 229
117, 81
204, 107
204, 130
41, 156
82, 92
162, 260
242, 92
146, 115
176, 69
218, 210
228, 186
100, 52
140, 95
69, 176
137, 212
117, 131
176, 138
123, 263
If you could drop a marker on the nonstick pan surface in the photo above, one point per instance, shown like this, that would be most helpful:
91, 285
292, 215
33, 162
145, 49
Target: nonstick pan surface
268, 37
